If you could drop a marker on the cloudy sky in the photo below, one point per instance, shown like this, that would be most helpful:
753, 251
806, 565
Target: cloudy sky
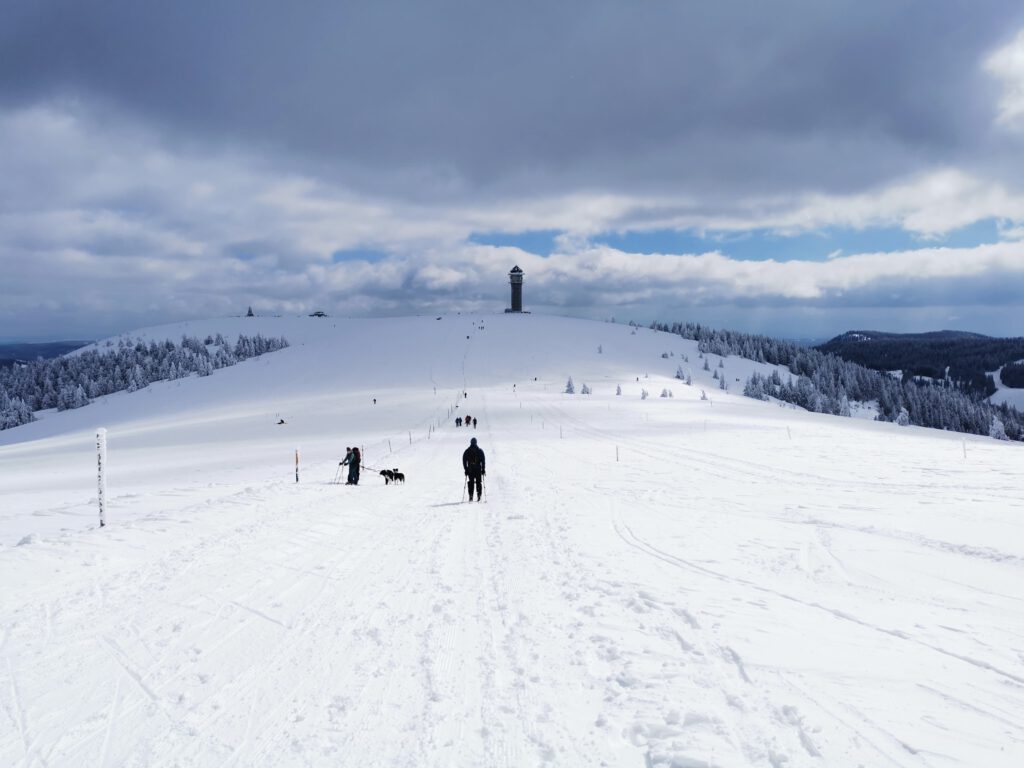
790, 168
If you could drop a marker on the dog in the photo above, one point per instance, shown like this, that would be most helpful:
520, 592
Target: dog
388, 475
398, 477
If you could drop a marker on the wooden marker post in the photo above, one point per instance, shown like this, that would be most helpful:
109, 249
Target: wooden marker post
101, 473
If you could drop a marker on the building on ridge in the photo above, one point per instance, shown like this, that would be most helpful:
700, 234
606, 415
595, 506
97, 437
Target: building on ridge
515, 280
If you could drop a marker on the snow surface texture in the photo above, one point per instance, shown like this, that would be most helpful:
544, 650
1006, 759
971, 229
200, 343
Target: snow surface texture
659, 582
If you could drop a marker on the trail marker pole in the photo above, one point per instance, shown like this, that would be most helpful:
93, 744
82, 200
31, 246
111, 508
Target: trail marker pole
410, 438
616, 453
296, 465
101, 473
389, 446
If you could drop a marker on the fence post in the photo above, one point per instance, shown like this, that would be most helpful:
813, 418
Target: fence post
296, 465
101, 473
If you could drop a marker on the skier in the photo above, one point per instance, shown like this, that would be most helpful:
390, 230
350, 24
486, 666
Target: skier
458, 421
474, 422
475, 467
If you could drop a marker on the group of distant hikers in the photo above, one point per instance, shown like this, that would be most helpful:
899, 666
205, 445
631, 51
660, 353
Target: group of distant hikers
474, 464
473, 461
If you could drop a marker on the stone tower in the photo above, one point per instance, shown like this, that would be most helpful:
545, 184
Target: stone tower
515, 279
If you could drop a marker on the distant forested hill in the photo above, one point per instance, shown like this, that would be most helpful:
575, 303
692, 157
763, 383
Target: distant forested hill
11, 353
965, 356
824, 382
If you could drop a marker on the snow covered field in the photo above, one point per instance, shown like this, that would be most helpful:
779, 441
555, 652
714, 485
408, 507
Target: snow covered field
659, 582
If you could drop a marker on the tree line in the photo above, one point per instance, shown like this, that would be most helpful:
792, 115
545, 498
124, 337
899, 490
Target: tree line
1013, 375
131, 364
961, 359
825, 383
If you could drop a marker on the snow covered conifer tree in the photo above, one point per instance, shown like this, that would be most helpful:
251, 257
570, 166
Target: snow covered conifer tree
570, 388
618, 390
664, 392
706, 366
903, 419
585, 390
997, 430
679, 373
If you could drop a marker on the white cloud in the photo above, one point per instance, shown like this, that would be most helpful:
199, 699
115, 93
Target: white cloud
1007, 65
94, 219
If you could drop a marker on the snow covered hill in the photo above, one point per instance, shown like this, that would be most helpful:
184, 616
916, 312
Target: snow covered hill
651, 582
1005, 394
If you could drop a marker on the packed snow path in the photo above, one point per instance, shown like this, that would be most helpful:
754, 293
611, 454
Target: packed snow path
661, 583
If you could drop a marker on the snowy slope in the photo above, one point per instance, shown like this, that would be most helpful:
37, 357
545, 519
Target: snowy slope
1004, 394
667, 581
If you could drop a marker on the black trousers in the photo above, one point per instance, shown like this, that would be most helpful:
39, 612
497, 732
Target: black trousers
474, 477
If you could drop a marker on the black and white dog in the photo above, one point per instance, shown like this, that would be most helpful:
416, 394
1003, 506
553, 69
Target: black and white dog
392, 476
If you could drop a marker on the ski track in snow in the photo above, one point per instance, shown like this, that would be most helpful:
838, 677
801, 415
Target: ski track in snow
742, 586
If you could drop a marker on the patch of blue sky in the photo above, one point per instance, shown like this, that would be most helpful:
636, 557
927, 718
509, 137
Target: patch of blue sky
758, 244
538, 241
761, 245
357, 254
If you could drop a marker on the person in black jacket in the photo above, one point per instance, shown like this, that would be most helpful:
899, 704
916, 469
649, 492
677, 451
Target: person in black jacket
475, 467
352, 459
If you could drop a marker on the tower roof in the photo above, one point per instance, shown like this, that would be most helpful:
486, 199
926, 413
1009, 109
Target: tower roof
516, 269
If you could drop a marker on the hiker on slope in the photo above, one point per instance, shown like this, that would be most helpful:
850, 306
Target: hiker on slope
475, 467
352, 459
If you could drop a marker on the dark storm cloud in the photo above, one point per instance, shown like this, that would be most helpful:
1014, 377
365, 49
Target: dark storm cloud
493, 98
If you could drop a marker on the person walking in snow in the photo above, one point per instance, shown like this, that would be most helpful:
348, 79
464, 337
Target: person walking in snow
352, 460
353, 467
474, 422
475, 466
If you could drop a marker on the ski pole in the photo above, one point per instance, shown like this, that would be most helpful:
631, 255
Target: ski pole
483, 485
465, 482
